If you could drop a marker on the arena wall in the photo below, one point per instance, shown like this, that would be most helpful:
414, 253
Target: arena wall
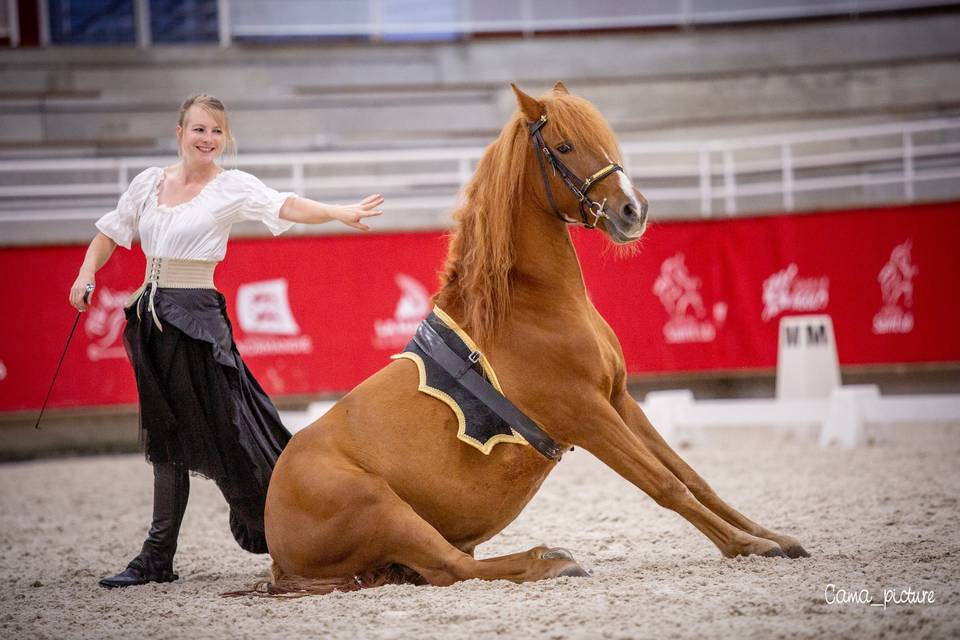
324, 313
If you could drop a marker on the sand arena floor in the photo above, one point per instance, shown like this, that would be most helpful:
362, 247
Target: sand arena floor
883, 517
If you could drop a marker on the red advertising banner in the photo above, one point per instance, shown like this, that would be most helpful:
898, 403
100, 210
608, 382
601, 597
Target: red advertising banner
319, 314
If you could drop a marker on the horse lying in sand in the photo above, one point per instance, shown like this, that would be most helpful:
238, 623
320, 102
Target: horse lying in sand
381, 489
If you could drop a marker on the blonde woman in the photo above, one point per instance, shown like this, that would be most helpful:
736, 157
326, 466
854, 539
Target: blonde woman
201, 410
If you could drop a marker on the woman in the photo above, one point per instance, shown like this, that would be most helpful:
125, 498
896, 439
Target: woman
201, 410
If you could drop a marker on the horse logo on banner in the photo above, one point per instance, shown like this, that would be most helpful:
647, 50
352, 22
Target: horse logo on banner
104, 325
784, 291
896, 287
679, 292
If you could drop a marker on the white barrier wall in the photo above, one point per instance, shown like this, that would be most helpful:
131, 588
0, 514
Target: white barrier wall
809, 398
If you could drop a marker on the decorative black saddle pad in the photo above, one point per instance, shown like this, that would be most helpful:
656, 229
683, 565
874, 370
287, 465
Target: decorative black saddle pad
478, 425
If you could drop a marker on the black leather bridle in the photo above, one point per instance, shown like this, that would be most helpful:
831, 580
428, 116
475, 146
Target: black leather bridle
588, 207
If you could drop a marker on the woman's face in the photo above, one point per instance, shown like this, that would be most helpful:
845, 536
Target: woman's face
201, 138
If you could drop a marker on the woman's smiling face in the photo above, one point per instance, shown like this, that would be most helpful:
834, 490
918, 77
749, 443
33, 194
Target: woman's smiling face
201, 137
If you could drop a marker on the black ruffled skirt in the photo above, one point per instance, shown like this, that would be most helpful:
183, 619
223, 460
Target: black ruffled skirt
200, 406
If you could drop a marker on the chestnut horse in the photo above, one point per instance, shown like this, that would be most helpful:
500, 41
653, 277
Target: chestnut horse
381, 485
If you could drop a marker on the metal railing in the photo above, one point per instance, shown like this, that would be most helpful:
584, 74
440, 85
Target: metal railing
785, 165
877, 164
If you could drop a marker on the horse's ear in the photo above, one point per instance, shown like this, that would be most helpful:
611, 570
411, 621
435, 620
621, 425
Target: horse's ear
532, 109
559, 87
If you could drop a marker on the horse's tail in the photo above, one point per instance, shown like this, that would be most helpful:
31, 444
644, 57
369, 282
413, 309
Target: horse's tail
282, 585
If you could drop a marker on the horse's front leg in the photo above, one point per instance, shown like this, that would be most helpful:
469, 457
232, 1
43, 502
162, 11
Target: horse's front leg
634, 417
609, 438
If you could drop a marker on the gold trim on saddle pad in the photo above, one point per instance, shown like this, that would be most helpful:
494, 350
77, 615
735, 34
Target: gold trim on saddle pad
487, 447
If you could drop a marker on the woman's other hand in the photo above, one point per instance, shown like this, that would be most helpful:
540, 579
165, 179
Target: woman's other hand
353, 215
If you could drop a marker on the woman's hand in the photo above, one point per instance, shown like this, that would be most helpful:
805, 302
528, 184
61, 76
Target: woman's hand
99, 251
300, 209
79, 290
352, 215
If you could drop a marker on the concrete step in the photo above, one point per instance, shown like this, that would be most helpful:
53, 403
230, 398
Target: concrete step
703, 51
631, 105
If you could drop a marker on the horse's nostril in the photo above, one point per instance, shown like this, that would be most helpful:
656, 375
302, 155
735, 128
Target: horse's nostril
629, 212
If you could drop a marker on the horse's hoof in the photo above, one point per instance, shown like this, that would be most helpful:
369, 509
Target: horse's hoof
575, 571
557, 553
775, 552
796, 551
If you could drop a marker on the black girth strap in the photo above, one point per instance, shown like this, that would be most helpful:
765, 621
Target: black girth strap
433, 345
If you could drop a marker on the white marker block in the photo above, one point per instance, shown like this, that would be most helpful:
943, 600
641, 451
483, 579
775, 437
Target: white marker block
807, 364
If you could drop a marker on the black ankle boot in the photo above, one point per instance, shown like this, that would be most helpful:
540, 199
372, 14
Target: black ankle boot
137, 573
171, 488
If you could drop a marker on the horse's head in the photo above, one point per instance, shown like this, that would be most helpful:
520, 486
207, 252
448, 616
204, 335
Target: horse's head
575, 165
578, 179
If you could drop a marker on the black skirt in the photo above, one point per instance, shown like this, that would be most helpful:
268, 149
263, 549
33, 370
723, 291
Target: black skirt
199, 404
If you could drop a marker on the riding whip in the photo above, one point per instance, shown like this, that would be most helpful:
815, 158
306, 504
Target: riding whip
86, 299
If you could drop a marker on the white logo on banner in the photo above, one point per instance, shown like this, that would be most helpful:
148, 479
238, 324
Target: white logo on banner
784, 291
104, 324
264, 308
679, 292
896, 287
3, 370
413, 306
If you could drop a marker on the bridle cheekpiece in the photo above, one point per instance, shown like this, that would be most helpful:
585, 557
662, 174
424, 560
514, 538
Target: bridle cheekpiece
589, 208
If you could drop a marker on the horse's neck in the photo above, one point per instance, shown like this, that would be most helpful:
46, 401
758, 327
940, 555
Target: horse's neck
546, 261
545, 275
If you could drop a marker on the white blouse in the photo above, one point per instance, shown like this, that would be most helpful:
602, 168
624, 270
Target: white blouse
197, 229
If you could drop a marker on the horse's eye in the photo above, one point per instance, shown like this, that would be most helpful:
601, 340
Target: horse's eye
564, 147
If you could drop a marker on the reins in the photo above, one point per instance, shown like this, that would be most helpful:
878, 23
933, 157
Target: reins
588, 206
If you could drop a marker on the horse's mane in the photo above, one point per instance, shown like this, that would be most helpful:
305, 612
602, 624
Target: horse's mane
481, 257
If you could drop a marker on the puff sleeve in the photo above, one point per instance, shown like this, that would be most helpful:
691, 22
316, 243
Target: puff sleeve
120, 225
256, 201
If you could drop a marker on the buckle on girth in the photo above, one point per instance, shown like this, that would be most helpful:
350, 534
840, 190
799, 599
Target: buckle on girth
471, 360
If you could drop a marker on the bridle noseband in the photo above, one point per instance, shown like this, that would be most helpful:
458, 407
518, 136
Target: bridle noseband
588, 207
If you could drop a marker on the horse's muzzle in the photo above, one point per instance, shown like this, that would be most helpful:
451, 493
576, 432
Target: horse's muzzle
626, 224
632, 216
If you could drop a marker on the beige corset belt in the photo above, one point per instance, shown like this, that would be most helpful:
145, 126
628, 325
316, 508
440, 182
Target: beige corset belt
174, 274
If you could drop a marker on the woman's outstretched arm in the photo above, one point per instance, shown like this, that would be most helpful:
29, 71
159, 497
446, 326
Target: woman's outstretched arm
99, 251
299, 209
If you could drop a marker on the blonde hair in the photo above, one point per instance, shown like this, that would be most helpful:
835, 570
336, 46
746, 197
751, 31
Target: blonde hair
215, 108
